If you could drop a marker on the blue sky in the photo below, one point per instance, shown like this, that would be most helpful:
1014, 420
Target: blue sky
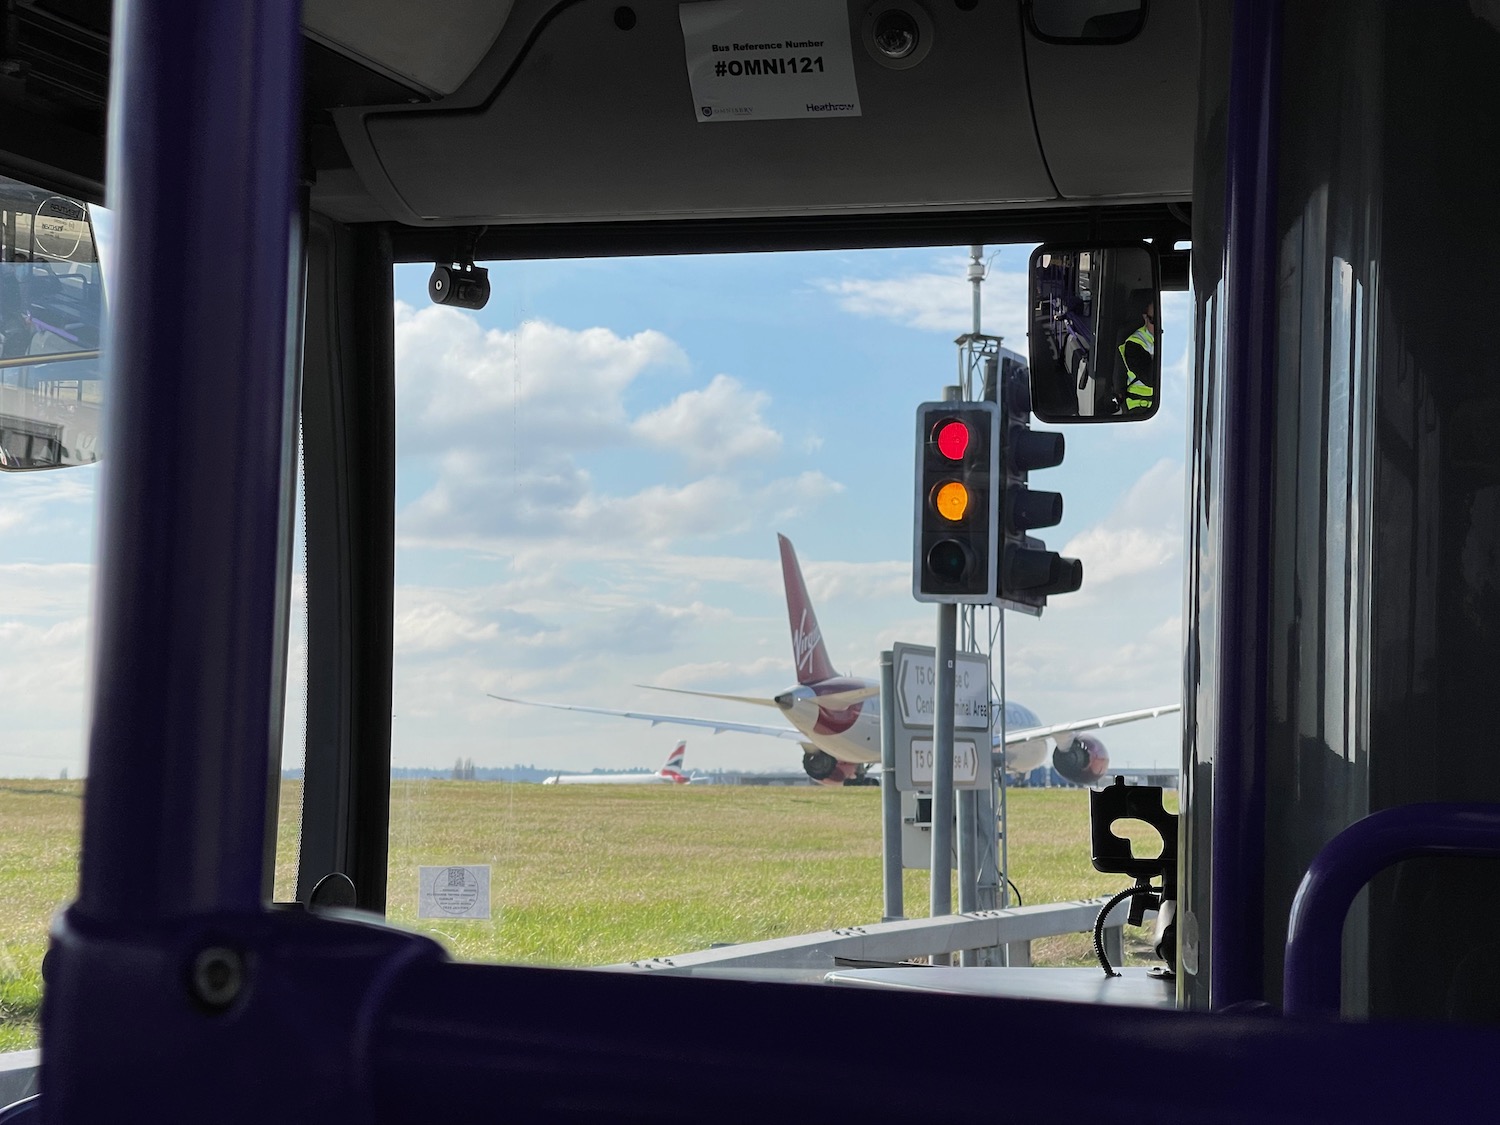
591, 474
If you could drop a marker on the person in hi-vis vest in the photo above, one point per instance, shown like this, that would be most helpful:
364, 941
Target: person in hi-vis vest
1138, 355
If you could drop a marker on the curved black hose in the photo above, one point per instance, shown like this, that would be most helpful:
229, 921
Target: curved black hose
1128, 892
1016, 889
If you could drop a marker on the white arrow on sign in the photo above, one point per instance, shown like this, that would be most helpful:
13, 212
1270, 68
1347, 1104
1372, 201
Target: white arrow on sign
916, 689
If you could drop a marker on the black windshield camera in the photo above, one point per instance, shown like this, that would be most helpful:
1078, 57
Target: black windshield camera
464, 285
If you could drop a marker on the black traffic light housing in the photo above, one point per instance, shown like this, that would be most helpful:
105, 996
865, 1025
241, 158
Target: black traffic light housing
956, 528
1027, 570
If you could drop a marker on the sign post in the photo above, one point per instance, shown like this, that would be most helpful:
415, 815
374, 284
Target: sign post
890, 795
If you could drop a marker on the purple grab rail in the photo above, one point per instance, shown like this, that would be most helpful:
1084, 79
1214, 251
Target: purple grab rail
1314, 943
1237, 811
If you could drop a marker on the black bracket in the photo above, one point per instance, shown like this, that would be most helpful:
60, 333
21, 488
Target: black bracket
1131, 802
1114, 854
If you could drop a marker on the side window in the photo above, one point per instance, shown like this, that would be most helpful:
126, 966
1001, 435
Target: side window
51, 312
294, 708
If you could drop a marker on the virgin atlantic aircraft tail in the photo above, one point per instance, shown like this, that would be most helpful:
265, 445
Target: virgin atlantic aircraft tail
808, 651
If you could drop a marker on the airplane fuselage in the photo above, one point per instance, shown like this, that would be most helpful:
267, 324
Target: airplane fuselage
852, 733
613, 779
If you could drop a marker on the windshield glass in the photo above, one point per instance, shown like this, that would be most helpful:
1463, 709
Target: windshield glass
643, 505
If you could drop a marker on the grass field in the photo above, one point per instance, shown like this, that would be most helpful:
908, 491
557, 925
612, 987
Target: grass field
582, 874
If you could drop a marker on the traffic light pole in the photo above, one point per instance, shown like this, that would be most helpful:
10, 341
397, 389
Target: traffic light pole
942, 762
980, 874
890, 799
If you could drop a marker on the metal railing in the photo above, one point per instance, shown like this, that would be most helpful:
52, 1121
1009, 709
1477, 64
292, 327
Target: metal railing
18, 1074
1015, 928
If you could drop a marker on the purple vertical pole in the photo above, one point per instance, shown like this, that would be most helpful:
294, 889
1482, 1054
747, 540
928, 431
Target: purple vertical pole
1237, 947
204, 161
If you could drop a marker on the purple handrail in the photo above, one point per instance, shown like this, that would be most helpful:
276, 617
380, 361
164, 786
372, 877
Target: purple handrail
1314, 943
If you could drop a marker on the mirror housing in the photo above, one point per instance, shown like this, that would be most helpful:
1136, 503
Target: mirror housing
1094, 332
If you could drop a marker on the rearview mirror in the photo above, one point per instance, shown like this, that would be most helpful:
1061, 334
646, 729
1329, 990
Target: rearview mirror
51, 310
1094, 333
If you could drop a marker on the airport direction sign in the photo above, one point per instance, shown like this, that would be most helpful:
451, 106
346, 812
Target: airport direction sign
965, 763
916, 696
916, 687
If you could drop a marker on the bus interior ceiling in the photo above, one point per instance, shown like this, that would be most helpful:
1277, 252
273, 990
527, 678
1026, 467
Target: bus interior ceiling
454, 116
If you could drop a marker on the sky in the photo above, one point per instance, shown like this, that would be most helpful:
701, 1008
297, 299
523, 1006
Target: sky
592, 471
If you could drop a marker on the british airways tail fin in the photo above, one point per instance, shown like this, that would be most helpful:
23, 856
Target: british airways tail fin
673, 768
808, 652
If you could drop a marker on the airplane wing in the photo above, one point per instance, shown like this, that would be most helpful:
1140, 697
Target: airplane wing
757, 700
1026, 734
836, 700
715, 725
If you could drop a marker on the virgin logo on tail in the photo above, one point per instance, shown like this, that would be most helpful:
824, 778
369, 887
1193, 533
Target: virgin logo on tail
813, 665
804, 643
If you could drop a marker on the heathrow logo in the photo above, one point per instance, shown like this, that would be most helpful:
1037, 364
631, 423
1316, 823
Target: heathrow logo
803, 643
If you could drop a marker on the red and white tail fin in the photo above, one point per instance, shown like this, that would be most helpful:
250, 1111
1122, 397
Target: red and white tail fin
673, 768
811, 658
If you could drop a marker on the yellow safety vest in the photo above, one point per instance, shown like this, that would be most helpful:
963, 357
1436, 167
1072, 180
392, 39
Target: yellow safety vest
1138, 394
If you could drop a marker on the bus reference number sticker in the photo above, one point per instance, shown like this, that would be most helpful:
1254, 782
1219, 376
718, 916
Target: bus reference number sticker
774, 59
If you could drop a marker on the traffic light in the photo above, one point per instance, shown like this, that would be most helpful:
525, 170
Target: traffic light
956, 535
1028, 572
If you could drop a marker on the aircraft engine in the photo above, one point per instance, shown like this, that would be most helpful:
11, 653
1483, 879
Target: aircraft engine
825, 769
1084, 761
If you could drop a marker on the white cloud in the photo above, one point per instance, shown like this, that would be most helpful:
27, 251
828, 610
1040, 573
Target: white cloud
938, 301
1142, 535
46, 519
857, 582
505, 416
479, 509
712, 427
44, 667
722, 674
48, 506
436, 628
537, 386
44, 588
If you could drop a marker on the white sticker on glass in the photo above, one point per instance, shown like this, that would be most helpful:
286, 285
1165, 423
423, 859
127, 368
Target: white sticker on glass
772, 59
454, 892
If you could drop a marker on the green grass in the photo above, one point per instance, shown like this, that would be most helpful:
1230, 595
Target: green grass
38, 872
581, 874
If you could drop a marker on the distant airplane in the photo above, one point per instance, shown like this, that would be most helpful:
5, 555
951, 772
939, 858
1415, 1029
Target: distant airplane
836, 719
670, 774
